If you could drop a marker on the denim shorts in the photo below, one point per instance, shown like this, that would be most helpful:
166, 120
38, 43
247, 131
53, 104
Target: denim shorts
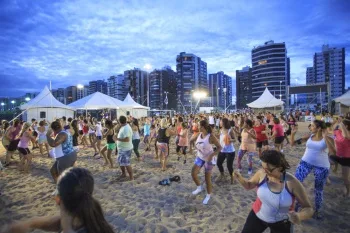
208, 166
124, 157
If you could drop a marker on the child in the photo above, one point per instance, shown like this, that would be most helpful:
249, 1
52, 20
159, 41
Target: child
25, 136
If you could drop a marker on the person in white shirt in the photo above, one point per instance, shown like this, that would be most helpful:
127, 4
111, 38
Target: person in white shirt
125, 147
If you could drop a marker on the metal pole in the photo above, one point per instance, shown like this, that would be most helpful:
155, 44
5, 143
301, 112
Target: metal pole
320, 100
217, 97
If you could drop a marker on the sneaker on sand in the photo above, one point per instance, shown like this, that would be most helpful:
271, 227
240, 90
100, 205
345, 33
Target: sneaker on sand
198, 190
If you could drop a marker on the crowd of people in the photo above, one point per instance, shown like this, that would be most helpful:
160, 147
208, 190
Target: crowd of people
213, 138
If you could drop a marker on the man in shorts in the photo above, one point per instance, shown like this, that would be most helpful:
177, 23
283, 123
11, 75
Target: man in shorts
124, 146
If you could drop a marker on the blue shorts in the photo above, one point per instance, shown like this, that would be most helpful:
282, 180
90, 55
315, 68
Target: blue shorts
208, 166
99, 138
124, 158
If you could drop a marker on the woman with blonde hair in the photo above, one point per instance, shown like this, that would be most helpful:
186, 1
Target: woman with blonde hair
25, 136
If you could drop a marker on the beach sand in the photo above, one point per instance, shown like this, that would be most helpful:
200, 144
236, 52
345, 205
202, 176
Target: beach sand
145, 206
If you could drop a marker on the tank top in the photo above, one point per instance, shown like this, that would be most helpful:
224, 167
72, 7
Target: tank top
24, 140
183, 141
16, 132
248, 143
226, 148
162, 138
110, 138
271, 206
342, 144
41, 134
98, 129
135, 135
204, 148
316, 153
66, 147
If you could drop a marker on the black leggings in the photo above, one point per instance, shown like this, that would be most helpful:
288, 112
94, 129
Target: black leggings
178, 148
230, 158
254, 224
135, 143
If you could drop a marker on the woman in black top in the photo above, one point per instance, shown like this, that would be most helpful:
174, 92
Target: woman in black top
163, 137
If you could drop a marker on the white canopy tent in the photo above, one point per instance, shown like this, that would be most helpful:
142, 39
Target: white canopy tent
344, 102
266, 100
45, 106
96, 101
134, 109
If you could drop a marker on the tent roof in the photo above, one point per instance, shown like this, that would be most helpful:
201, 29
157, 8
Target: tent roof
344, 99
266, 100
96, 100
45, 99
130, 103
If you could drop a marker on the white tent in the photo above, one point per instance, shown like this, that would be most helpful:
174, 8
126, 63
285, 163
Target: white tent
134, 109
95, 101
266, 100
45, 106
343, 100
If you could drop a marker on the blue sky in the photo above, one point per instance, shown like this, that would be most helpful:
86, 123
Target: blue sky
72, 42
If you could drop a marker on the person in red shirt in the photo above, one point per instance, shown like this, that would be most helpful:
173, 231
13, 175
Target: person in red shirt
278, 134
261, 137
342, 145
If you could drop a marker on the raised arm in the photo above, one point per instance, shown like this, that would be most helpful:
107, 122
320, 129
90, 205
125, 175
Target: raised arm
252, 182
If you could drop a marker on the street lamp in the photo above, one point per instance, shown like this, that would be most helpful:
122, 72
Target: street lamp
280, 90
199, 95
13, 102
27, 99
217, 97
148, 67
166, 99
225, 97
81, 89
2, 105
191, 105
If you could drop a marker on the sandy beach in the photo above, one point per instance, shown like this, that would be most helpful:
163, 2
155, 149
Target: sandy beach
145, 206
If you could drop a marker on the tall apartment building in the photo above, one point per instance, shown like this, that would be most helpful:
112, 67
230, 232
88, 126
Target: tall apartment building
329, 67
220, 90
59, 94
270, 68
136, 83
82, 91
310, 75
243, 87
116, 87
98, 86
71, 94
192, 76
162, 86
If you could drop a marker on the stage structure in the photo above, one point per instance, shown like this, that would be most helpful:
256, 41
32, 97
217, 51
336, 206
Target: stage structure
317, 88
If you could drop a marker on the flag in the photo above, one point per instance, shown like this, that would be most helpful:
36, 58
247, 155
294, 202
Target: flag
166, 100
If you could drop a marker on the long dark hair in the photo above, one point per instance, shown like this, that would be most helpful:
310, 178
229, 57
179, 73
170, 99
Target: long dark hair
74, 125
205, 124
225, 123
75, 187
136, 122
275, 158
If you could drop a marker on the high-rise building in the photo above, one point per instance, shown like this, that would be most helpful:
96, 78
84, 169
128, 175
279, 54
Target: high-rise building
136, 83
220, 90
98, 86
192, 76
59, 94
310, 75
71, 94
116, 87
329, 66
270, 68
162, 86
243, 87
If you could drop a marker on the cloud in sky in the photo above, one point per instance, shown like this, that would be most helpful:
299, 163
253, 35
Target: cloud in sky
71, 42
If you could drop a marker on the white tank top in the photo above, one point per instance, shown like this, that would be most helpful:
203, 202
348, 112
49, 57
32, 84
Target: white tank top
316, 153
98, 129
204, 148
211, 120
270, 206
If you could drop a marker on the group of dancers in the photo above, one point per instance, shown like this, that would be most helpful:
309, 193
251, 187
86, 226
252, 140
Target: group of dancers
214, 138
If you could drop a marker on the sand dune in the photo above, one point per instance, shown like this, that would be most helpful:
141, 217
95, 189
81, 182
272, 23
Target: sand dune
145, 206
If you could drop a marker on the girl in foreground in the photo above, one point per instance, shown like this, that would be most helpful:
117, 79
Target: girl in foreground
277, 190
79, 211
